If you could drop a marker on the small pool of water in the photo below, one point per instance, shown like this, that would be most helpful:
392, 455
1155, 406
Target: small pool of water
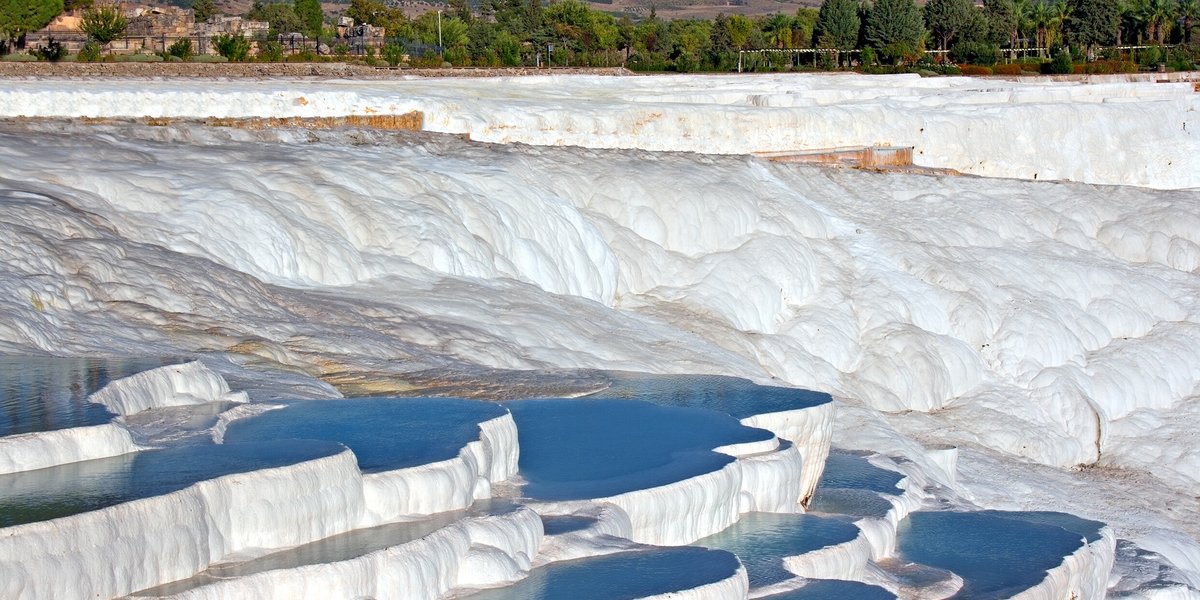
595, 448
855, 503
75, 488
763, 540
48, 393
739, 398
834, 589
621, 576
846, 470
997, 554
555, 525
384, 433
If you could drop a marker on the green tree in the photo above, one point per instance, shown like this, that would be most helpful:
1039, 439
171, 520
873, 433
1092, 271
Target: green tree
1158, 17
375, 12
947, 19
281, 16
777, 29
103, 24
1092, 23
896, 28
311, 17
236, 48
18, 17
803, 27
181, 49
1189, 12
1003, 22
1041, 19
838, 25
203, 9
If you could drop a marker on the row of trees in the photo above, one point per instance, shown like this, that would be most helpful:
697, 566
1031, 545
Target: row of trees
514, 32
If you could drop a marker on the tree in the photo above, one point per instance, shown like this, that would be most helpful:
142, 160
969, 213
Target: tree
1094, 22
1158, 16
1189, 11
1003, 22
804, 26
947, 19
376, 13
280, 15
837, 25
18, 17
311, 17
103, 24
896, 28
778, 30
1040, 18
203, 9
235, 48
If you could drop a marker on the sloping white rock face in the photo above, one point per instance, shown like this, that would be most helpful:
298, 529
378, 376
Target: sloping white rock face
139, 544
38, 450
477, 552
172, 385
983, 127
1083, 574
1047, 322
732, 588
445, 485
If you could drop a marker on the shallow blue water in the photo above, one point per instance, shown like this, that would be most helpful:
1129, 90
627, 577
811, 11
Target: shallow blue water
850, 471
384, 433
998, 554
856, 503
739, 398
554, 525
833, 589
620, 576
74, 488
594, 448
763, 540
48, 393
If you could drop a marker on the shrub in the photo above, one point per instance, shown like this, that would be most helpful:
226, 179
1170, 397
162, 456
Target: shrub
270, 51
91, 52
1103, 67
53, 51
103, 24
868, 57
209, 58
1150, 58
1061, 63
1007, 69
234, 48
393, 53
975, 70
975, 53
139, 58
181, 49
341, 50
1184, 57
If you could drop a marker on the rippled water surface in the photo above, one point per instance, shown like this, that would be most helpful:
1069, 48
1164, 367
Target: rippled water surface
49, 393
763, 540
384, 433
621, 576
997, 554
594, 448
90, 485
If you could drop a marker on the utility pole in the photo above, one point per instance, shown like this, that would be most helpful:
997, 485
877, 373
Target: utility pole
441, 52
